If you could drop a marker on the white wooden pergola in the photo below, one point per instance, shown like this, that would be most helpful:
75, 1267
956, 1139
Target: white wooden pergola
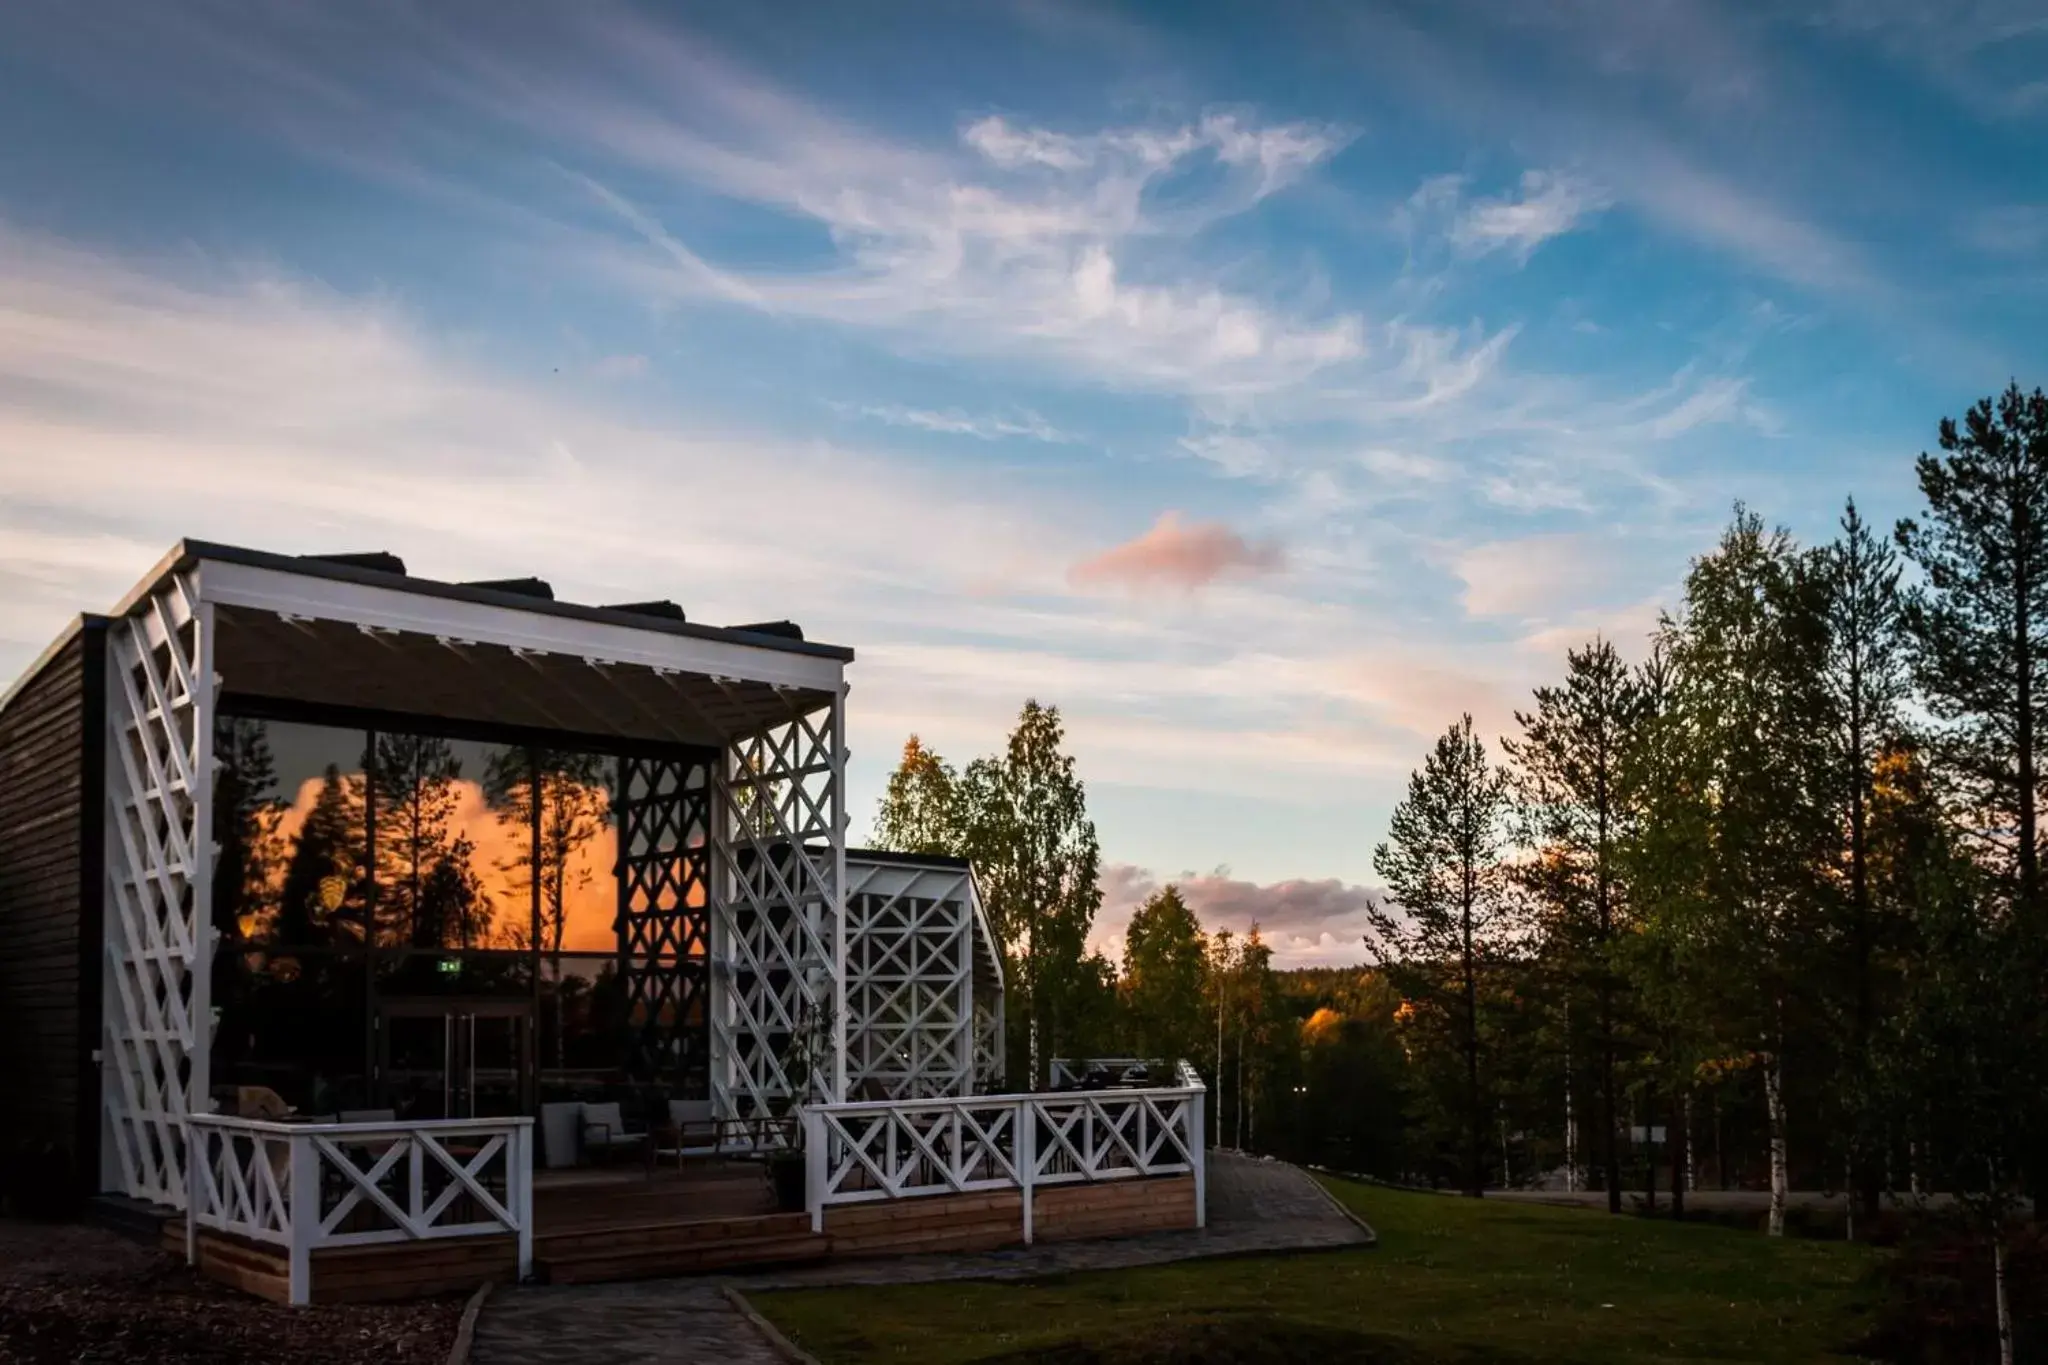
924, 980
212, 617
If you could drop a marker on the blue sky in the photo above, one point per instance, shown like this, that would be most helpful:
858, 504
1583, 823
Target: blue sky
1263, 384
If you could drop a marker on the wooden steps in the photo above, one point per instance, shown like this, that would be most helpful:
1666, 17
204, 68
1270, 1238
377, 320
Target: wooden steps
652, 1250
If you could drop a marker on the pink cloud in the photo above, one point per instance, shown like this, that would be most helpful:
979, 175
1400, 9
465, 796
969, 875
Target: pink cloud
1307, 923
1176, 554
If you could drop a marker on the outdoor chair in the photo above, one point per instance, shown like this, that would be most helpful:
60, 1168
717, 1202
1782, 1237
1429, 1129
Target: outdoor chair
605, 1136
692, 1131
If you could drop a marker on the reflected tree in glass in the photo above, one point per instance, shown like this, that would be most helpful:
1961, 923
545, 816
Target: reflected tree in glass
574, 810
247, 814
326, 884
428, 895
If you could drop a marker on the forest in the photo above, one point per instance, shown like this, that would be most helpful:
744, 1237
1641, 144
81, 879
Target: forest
1754, 903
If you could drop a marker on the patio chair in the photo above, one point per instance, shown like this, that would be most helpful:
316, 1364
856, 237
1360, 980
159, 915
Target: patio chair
691, 1131
605, 1136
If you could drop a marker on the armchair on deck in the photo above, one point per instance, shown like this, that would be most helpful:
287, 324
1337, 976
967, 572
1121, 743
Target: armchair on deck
692, 1131
605, 1135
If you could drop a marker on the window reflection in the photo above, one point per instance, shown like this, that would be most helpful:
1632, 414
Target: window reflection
289, 818
293, 1025
583, 1025
579, 852
453, 846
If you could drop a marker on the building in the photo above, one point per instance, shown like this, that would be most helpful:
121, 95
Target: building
313, 837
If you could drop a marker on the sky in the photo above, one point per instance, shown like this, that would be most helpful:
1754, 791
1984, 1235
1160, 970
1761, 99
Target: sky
1262, 385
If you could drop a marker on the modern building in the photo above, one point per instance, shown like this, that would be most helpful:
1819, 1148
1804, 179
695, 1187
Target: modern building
321, 883
374, 842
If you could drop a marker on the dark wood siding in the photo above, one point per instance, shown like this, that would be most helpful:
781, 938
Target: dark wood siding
49, 908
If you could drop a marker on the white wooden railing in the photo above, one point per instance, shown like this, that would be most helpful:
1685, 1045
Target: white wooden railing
905, 1149
304, 1186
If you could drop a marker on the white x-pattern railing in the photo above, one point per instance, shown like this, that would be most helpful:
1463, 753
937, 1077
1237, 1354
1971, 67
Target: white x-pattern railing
304, 1186
905, 1149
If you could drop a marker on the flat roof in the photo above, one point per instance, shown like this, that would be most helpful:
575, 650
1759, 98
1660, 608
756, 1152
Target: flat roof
884, 855
189, 552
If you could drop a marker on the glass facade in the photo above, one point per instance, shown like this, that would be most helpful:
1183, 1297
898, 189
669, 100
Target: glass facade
440, 926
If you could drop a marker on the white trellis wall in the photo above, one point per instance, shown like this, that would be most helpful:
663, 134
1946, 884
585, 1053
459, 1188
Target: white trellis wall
158, 932
916, 950
778, 850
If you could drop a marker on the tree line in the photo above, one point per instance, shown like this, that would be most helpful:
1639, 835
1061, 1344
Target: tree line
1761, 907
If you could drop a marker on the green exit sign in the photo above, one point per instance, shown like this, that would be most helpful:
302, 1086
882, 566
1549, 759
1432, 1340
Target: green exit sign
450, 966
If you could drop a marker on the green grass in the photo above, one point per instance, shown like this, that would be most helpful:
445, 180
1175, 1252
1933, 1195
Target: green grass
1451, 1280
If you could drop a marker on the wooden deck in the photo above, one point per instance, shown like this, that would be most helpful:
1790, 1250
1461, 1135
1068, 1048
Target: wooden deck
716, 1216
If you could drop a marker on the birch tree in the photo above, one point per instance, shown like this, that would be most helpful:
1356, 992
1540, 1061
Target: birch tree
1746, 698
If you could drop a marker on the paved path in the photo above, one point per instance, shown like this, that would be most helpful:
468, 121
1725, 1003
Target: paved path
1254, 1206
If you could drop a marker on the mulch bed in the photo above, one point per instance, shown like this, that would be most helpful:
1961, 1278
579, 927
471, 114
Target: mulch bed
85, 1296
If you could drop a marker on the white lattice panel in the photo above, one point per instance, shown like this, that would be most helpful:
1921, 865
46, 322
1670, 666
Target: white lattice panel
778, 871
909, 982
156, 1021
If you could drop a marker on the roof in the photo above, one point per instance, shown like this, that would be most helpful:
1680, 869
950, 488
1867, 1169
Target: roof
50, 654
512, 594
883, 855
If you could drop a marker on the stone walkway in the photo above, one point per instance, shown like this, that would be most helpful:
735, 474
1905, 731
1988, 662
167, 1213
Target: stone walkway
1254, 1207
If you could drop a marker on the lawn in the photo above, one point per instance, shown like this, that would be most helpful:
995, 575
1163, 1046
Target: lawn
1452, 1280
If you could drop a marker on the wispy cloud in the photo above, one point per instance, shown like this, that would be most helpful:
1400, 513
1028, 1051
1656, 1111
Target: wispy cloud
1547, 204
1022, 425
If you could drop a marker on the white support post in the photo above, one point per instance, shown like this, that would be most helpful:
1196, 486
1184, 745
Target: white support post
835, 804
814, 1166
1199, 1157
205, 692
304, 1216
519, 1192
195, 1157
1027, 1160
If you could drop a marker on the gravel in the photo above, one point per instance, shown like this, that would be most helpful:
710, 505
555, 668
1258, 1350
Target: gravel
77, 1294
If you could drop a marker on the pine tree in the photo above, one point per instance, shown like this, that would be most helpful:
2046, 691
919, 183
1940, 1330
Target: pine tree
1569, 782
326, 881
1865, 679
1979, 622
1442, 864
414, 780
1979, 630
247, 811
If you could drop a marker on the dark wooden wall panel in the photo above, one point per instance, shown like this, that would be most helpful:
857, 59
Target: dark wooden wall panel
48, 1006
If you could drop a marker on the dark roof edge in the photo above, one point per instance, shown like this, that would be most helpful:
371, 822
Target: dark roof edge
77, 626
882, 855
190, 552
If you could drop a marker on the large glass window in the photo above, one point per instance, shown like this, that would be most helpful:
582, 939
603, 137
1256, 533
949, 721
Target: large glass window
290, 1027
365, 875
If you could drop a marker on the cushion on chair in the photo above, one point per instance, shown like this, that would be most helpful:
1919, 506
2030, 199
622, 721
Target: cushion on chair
558, 1128
603, 1126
